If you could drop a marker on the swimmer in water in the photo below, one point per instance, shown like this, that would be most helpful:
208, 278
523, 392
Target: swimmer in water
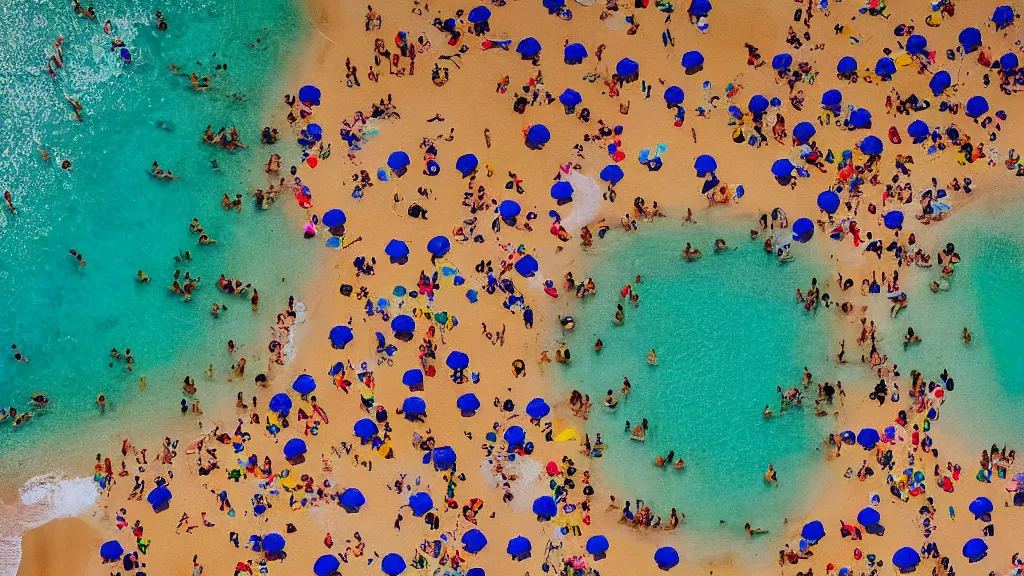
967, 336
770, 475
9, 201
78, 256
652, 358
719, 245
753, 531
691, 254
76, 107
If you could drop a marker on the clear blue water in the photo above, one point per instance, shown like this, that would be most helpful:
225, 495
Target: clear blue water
985, 296
727, 331
66, 318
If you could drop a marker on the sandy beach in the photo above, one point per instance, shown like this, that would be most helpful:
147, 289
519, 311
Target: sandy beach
225, 465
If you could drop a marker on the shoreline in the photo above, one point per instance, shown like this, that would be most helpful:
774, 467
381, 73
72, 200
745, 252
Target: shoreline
312, 354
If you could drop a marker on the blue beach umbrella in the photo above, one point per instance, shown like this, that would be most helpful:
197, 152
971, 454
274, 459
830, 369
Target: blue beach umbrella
627, 68
392, 564
918, 130
612, 173
537, 136
527, 266
575, 53
782, 61
333, 218
398, 160
970, 39
692, 61
412, 377
414, 406
111, 550
975, 550
980, 507
509, 209
860, 118
159, 498
439, 246
893, 221
872, 145
537, 408
310, 95
831, 98
315, 131
545, 508
466, 164
304, 384
467, 404
554, 5
666, 558
519, 548
570, 98
421, 503
828, 201
478, 571
906, 559
474, 541
1002, 17
674, 96
782, 168
976, 106
1008, 62
847, 65
699, 7
479, 14
280, 403
444, 458
868, 437
340, 336
813, 531
397, 251
803, 230
704, 165
940, 81
515, 436
273, 542
885, 67
917, 44
562, 192
803, 132
597, 545
326, 565
365, 428
403, 326
528, 47
457, 360
869, 517
757, 104
294, 448
735, 111
351, 500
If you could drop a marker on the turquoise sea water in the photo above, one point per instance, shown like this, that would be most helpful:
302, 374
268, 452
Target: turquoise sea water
985, 296
727, 331
66, 318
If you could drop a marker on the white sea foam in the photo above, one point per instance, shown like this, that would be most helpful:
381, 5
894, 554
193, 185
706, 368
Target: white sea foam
43, 498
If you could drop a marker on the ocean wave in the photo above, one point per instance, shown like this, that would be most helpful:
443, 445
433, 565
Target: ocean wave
43, 498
